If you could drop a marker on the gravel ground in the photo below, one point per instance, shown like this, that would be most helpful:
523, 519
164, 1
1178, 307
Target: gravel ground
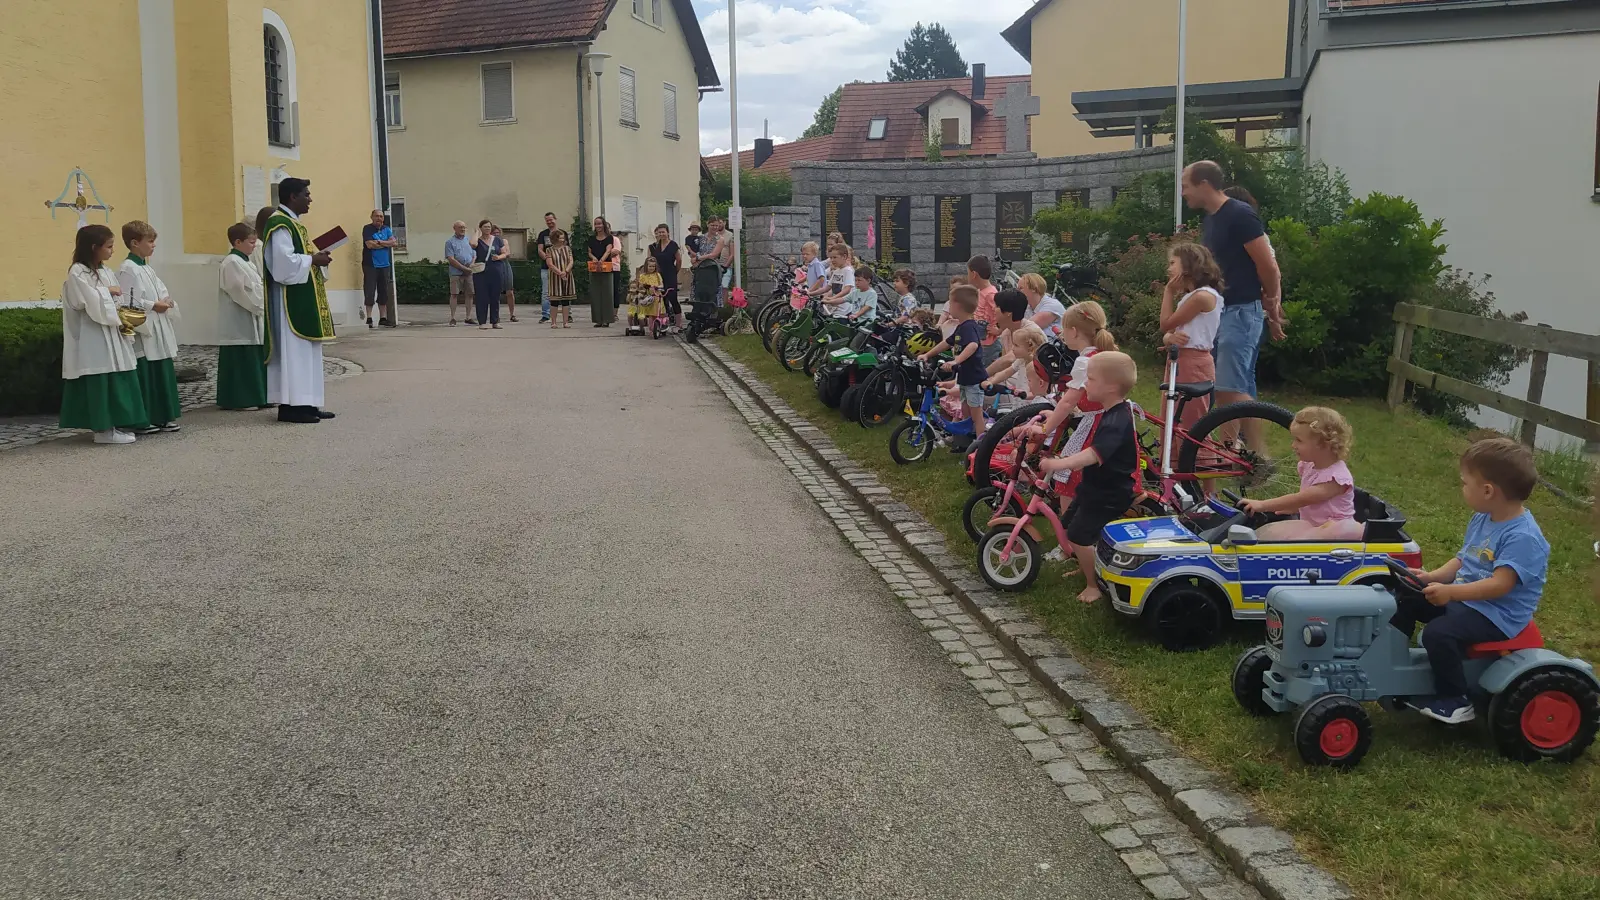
536, 616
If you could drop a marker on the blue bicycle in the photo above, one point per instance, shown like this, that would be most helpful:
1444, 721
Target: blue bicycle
914, 439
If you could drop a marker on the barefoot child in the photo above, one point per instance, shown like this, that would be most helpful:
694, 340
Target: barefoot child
1109, 461
965, 341
156, 341
1191, 312
99, 380
1321, 440
1083, 329
1490, 590
241, 359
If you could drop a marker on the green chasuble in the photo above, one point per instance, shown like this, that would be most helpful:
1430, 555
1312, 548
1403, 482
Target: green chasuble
305, 305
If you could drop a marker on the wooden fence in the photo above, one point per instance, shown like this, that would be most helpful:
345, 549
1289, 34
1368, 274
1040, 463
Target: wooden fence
1542, 340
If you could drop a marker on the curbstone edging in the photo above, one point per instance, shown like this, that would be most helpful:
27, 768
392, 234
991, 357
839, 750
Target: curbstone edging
1260, 855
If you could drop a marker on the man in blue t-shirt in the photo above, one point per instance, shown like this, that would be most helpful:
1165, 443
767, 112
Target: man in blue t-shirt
1489, 590
377, 258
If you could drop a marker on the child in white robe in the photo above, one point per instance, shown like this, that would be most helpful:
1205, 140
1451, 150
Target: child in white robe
156, 341
241, 358
99, 384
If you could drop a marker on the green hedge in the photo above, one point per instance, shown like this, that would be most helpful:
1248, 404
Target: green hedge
425, 281
30, 361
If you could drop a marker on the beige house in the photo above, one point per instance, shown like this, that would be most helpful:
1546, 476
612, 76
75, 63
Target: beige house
498, 109
1076, 46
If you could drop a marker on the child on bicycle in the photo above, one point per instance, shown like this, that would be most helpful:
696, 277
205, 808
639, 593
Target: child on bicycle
1488, 591
905, 285
841, 277
644, 295
863, 301
1326, 501
1083, 329
1109, 461
1015, 369
968, 367
815, 270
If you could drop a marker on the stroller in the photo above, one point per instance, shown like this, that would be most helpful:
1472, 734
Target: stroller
703, 317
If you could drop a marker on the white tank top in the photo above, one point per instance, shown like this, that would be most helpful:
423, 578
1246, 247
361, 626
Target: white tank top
1202, 329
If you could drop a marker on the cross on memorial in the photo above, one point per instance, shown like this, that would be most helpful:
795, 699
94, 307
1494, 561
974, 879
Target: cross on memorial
1017, 107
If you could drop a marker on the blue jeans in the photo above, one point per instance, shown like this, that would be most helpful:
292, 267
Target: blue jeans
544, 292
1238, 347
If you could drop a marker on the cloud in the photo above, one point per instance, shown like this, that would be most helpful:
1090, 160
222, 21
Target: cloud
792, 54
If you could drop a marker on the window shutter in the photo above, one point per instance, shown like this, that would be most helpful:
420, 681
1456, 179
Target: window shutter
630, 214
638, 8
630, 105
669, 98
655, 11
497, 103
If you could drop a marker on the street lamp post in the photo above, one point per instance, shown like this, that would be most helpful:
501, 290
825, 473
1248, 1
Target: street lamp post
597, 65
1177, 141
733, 126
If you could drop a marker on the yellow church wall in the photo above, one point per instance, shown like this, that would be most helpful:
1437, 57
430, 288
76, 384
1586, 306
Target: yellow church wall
66, 100
205, 120
1097, 45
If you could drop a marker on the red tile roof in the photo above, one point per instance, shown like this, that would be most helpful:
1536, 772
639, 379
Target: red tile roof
808, 150
426, 27
905, 135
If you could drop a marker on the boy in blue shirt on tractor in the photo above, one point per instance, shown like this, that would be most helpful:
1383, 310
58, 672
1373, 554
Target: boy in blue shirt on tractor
1489, 590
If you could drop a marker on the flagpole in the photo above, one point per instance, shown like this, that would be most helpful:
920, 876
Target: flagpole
1177, 142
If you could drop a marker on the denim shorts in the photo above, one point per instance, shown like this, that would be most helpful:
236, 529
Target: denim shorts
1238, 347
971, 394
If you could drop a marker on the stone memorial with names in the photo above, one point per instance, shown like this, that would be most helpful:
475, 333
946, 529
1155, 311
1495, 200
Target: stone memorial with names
952, 228
1013, 223
837, 216
894, 229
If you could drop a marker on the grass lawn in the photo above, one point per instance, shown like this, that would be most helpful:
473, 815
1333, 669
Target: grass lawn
1431, 813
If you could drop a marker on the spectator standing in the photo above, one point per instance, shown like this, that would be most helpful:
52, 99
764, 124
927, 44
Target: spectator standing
485, 278
563, 287
1251, 290
603, 248
377, 261
543, 242
501, 261
669, 260
458, 256
1045, 310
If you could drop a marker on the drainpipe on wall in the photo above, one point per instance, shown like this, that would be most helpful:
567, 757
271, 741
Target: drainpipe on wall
583, 156
380, 89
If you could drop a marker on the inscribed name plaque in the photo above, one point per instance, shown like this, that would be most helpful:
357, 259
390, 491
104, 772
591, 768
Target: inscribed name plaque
836, 216
1071, 197
894, 229
1013, 223
952, 225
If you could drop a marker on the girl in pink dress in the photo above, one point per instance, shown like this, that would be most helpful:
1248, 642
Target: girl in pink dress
1326, 500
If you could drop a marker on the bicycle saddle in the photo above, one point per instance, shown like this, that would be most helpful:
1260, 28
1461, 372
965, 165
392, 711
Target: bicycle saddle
1194, 389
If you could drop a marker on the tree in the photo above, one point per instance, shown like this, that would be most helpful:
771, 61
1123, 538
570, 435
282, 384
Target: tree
827, 114
929, 52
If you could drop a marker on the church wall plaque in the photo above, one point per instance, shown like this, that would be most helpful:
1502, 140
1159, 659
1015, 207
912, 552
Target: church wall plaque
894, 229
1013, 223
836, 215
1072, 197
952, 228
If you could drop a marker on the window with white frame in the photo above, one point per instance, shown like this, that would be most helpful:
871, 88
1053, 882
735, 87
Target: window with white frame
669, 110
638, 8
498, 102
630, 100
392, 116
397, 222
672, 219
630, 215
876, 129
655, 11
278, 56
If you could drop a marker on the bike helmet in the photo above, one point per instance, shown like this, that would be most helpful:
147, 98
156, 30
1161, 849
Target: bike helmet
1056, 359
922, 342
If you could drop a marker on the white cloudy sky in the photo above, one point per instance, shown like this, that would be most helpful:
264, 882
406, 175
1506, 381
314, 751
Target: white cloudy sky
793, 52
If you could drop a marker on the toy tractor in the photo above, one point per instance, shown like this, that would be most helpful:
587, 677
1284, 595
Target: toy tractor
1330, 647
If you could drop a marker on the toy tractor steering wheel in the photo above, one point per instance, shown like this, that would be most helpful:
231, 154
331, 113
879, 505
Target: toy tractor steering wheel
1403, 575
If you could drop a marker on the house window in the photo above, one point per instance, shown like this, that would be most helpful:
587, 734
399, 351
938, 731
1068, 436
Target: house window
630, 102
391, 100
397, 222
655, 11
672, 219
876, 129
516, 241
949, 133
669, 117
498, 103
638, 8
630, 215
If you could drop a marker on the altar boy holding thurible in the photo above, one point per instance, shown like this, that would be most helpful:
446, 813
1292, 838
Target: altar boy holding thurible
156, 341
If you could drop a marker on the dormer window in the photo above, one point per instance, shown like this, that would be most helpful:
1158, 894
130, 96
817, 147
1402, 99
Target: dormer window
876, 129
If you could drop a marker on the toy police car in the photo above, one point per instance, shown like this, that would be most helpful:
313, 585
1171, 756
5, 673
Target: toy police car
1184, 576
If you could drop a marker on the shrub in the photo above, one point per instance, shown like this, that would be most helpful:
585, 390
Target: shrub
1469, 359
425, 281
30, 361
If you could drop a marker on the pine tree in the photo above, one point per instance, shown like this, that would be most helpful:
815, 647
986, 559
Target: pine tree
929, 52
827, 114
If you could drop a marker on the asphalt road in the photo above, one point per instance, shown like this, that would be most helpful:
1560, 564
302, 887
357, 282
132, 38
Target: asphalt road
536, 616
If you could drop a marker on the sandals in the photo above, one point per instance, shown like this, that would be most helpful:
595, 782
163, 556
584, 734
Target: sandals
513, 318
452, 323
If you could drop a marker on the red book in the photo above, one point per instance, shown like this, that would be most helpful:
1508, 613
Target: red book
333, 239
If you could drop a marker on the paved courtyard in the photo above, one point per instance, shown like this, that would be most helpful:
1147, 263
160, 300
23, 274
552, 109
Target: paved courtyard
537, 616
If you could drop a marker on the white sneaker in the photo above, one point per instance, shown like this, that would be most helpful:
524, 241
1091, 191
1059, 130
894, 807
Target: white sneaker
113, 437
1055, 555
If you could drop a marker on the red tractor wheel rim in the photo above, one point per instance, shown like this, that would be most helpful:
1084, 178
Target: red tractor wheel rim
1550, 720
1339, 738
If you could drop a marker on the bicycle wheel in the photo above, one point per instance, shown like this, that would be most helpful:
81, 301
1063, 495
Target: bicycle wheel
793, 349
912, 441
882, 396
1216, 455
981, 506
764, 320
983, 449
738, 323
